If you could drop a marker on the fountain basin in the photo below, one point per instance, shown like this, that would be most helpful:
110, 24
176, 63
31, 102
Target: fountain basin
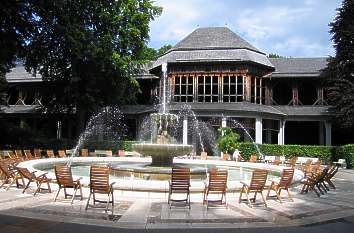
162, 154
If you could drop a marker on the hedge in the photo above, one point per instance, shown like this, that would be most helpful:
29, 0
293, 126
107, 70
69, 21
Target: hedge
345, 152
325, 153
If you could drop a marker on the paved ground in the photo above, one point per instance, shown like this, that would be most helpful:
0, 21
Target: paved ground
149, 212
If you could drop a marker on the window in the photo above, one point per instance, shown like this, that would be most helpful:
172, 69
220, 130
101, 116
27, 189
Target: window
208, 88
183, 88
233, 88
257, 91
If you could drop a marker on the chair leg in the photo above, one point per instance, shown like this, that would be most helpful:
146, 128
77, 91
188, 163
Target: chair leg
330, 183
248, 199
8, 187
88, 201
264, 200
23, 191
82, 196
289, 195
240, 198
56, 196
74, 195
277, 192
38, 187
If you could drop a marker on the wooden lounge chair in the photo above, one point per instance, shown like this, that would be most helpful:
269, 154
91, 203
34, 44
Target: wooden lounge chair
84, 153
330, 174
292, 162
256, 185
10, 175
315, 183
179, 184
19, 155
28, 154
99, 184
50, 154
31, 177
283, 184
65, 180
276, 161
62, 154
37, 153
217, 185
307, 168
253, 159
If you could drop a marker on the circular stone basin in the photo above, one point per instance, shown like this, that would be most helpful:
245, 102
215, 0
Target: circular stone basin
162, 154
136, 181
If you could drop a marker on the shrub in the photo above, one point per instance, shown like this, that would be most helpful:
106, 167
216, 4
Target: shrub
345, 152
228, 139
325, 153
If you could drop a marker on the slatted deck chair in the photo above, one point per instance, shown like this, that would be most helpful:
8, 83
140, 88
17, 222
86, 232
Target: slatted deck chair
253, 159
65, 180
37, 153
179, 184
50, 154
19, 155
84, 153
327, 179
307, 168
99, 184
10, 175
217, 185
31, 177
283, 184
28, 154
276, 161
256, 185
62, 154
292, 162
315, 183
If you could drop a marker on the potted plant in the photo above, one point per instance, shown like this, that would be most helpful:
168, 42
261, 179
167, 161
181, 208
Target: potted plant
227, 142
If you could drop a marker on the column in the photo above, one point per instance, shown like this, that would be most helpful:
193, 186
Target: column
321, 135
58, 129
185, 130
259, 130
223, 125
328, 128
281, 132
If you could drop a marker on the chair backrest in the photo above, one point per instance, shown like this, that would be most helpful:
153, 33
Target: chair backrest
25, 173
293, 161
276, 160
109, 153
286, 177
19, 154
63, 175
99, 179
332, 171
4, 168
50, 154
253, 159
37, 153
28, 154
218, 180
62, 153
180, 178
259, 178
341, 161
84, 153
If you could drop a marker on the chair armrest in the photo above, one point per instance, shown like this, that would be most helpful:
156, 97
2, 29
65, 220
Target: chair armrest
244, 183
111, 185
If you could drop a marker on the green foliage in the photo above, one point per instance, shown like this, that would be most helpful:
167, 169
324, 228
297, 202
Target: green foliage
339, 72
345, 152
325, 153
151, 54
274, 55
228, 139
89, 49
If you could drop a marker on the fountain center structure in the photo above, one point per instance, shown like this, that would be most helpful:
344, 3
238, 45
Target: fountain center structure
163, 148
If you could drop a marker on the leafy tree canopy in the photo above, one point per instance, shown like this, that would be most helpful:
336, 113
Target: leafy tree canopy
151, 54
339, 73
274, 55
89, 49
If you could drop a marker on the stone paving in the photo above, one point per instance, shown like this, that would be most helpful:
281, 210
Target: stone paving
141, 210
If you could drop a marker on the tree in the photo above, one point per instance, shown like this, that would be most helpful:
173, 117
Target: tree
274, 55
89, 51
228, 139
339, 73
16, 24
151, 54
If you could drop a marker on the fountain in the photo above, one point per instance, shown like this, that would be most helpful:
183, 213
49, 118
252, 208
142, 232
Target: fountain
163, 147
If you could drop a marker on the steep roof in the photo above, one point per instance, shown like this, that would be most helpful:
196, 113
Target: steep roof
298, 67
213, 44
213, 38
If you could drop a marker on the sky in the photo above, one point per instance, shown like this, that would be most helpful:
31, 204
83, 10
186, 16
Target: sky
292, 28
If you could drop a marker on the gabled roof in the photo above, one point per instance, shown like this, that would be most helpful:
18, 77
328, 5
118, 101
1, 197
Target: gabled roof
213, 38
18, 74
298, 67
213, 44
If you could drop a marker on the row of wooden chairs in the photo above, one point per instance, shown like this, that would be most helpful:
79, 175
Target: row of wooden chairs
217, 184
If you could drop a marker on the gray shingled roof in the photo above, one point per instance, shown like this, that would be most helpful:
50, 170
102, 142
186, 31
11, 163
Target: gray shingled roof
213, 44
213, 37
298, 67
19, 74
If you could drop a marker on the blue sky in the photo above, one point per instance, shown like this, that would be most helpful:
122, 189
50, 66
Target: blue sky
296, 28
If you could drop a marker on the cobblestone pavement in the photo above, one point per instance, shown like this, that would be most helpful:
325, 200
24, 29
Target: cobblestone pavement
149, 212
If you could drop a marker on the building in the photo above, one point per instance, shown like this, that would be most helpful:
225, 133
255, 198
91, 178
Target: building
225, 80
